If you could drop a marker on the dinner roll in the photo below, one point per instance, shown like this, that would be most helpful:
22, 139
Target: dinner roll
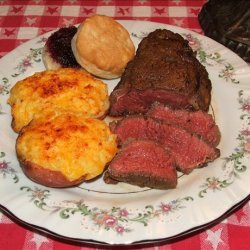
64, 150
102, 46
66, 89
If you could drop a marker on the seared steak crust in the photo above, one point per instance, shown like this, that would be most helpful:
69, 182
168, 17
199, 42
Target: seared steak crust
166, 70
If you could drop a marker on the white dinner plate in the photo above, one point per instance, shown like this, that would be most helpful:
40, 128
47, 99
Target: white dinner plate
124, 214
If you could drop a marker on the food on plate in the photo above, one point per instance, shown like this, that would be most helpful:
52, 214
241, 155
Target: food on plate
143, 163
164, 95
102, 46
66, 89
189, 150
198, 122
57, 52
64, 150
165, 70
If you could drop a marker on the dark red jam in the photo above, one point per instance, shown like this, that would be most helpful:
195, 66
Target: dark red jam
59, 47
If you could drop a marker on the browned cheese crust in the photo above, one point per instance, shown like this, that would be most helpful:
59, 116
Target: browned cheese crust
64, 150
66, 89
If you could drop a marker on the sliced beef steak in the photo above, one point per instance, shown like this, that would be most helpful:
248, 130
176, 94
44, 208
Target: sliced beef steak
188, 150
166, 70
198, 122
144, 163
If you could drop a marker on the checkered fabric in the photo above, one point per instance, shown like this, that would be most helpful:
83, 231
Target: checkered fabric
22, 20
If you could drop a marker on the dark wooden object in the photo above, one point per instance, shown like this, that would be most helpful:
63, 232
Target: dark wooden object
228, 22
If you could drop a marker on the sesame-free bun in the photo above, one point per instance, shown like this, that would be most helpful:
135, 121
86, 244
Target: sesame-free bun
65, 89
64, 150
102, 46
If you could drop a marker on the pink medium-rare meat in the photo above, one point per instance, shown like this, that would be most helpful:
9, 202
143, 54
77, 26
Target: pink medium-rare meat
144, 163
133, 101
165, 70
198, 122
188, 150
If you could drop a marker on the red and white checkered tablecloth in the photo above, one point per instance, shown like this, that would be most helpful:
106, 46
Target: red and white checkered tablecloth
22, 20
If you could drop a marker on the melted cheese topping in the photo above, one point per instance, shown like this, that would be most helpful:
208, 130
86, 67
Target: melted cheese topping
66, 89
74, 145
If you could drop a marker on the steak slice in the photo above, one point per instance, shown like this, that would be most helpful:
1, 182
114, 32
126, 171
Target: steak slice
198, 122
188, 150
144, 163
165, 70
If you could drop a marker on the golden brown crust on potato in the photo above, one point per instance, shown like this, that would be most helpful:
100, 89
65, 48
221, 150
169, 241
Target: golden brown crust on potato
66, 89
61, 150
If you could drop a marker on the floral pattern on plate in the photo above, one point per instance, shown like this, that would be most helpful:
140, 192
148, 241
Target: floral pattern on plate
118, 219
233, 163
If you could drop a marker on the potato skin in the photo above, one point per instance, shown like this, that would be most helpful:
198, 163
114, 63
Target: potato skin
47, 177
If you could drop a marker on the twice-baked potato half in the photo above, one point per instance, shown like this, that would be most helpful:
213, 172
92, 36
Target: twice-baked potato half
62, 150
67, 89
